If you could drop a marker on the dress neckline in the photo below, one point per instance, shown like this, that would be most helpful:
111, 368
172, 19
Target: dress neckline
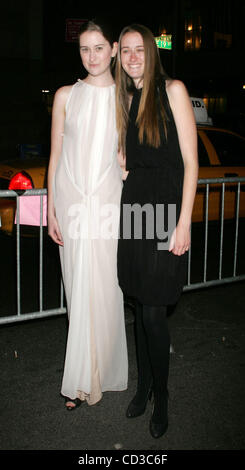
96, 86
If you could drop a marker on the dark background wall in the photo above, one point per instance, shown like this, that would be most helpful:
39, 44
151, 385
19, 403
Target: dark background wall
35, 56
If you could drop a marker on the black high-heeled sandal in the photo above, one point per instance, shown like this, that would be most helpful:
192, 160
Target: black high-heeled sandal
135, 409
77, 402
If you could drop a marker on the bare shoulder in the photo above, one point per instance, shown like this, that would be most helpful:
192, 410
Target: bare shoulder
180, 104
60, 99
62, 93
176, 89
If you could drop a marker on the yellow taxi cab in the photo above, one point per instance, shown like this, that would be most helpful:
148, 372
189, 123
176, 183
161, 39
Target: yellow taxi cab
19, 174
221, 154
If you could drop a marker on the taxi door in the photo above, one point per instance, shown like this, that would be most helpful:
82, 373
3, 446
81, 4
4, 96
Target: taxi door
221, 155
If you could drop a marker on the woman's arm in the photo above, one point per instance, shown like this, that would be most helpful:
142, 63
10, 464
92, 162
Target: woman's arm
57, 130
186, 128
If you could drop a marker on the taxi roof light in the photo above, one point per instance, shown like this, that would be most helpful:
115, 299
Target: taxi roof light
21, 180
200, 111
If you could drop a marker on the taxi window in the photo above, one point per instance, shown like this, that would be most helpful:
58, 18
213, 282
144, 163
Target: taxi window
202, 153
230, 148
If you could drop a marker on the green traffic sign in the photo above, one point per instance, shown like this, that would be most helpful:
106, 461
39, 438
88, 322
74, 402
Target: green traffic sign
164, 41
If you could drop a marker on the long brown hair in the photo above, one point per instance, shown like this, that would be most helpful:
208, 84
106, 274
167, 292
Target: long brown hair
148, 113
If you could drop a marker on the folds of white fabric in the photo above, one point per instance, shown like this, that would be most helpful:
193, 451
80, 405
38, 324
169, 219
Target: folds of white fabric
88, 177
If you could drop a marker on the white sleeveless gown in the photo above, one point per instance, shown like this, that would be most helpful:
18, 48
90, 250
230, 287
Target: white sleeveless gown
87, 191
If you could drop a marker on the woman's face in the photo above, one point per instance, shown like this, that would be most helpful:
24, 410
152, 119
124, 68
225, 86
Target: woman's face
96, 52
133, 56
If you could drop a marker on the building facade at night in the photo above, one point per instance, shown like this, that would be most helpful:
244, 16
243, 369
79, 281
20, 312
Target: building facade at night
208, 45
208, 55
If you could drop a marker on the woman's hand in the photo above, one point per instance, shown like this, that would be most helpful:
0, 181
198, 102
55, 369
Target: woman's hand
180, 240
54, 230
122, 162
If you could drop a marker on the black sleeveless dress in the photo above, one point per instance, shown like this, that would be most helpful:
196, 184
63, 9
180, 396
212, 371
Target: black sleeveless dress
147, 271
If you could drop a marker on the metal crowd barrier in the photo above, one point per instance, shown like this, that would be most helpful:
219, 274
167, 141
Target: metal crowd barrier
42, 313
221, 280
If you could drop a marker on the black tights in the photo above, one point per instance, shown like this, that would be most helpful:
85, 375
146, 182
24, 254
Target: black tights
152, 347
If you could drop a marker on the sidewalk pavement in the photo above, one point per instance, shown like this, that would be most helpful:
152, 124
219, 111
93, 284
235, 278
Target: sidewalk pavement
206, 384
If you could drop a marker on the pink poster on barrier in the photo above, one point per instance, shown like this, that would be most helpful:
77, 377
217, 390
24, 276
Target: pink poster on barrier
29, 210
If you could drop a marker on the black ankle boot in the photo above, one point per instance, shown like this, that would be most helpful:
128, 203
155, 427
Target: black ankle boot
137, 406
158, 429
159, 419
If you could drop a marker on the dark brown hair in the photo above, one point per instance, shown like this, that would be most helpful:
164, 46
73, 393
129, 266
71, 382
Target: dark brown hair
100, 26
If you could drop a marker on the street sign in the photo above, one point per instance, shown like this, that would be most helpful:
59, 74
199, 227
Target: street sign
73, 26
164, 41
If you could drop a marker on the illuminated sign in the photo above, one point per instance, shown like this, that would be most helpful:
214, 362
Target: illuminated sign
164, 41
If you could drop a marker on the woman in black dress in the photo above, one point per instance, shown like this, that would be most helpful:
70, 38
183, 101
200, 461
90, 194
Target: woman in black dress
157, 136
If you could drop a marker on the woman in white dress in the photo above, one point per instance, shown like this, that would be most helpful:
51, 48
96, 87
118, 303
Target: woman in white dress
84, 190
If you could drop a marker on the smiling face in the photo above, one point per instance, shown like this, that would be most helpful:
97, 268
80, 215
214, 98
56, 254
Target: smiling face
96, 53
133, 56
